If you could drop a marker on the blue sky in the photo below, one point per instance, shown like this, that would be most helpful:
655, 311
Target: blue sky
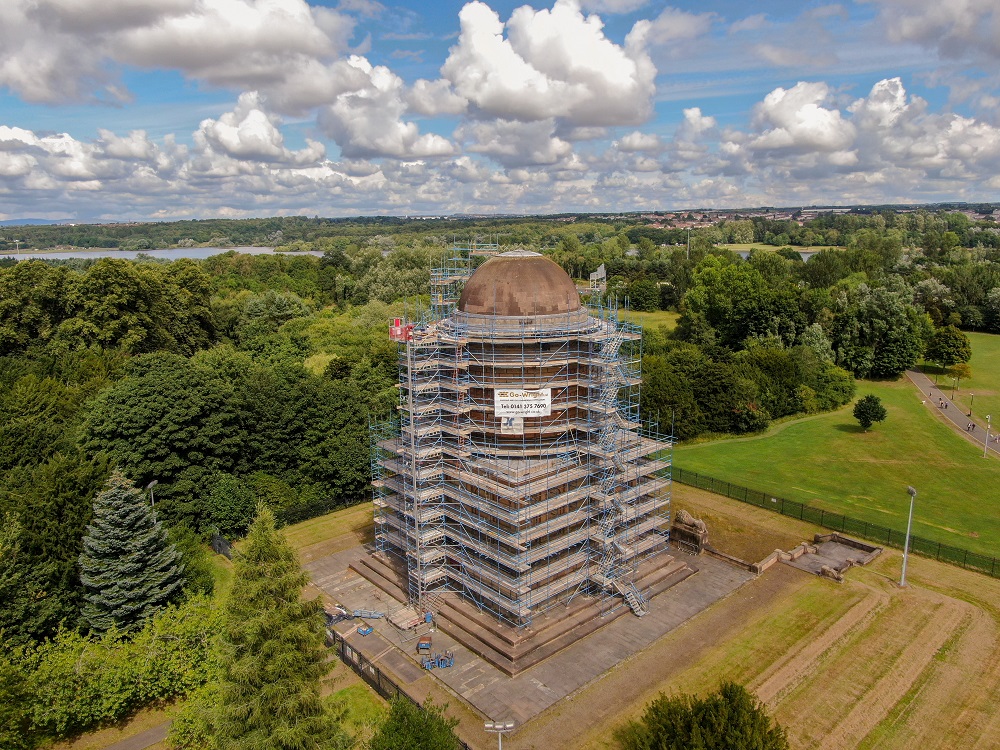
163, 109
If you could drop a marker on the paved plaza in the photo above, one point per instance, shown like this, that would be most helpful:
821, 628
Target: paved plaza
524, 696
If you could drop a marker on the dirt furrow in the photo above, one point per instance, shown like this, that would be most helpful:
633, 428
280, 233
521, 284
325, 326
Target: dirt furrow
950, 686
900, 676
789, 672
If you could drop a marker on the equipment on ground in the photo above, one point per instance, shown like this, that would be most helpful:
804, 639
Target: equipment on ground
335, 615
438, 661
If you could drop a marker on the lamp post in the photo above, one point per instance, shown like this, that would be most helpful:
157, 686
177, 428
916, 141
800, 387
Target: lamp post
906, 545
499, 728
150, 487
986, 445
972, 400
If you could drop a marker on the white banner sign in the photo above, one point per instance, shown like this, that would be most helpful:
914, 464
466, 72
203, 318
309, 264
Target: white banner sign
522, 403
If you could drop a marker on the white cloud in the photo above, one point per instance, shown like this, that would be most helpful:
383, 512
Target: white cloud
695, 124
674, 25
755, 22
795, 120
250, 133
636, 141
613, 6
434, 98
553, 64
369, 8
366, 122
788, 57
67, 50
955, 28
516, 144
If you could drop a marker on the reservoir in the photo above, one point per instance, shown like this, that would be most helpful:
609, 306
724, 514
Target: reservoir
197, 253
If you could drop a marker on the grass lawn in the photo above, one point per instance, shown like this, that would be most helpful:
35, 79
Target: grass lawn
828, 462
365, 709
985, 381
322, 528
652, 319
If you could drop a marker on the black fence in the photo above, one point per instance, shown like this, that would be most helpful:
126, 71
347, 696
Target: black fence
844, 524
370, 673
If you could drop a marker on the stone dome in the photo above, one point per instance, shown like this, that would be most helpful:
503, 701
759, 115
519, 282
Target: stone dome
519, 283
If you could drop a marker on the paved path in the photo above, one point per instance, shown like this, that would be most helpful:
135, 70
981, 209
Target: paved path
142, 740
937, 399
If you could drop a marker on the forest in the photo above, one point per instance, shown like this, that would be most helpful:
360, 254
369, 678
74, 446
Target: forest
224, 387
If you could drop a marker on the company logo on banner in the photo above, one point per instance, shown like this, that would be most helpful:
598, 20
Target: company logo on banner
522, 403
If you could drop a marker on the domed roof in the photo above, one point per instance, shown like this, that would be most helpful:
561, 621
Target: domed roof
519, 283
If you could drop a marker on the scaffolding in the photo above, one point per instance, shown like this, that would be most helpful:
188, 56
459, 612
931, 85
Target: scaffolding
519, 514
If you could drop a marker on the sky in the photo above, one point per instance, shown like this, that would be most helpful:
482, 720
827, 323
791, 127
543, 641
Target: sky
121, 110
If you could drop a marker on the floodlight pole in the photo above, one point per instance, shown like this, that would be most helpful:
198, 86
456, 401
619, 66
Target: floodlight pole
499, 728
906, 544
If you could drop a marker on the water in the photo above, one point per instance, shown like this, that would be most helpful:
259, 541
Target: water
197, 253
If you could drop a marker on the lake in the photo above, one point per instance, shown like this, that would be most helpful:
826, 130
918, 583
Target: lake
198, 253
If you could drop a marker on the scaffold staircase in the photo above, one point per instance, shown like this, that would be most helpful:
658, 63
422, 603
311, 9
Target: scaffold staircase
633, 597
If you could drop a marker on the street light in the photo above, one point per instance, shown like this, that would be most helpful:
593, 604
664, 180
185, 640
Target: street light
906, 544
150, 487
986, 445
972, 400
499, 728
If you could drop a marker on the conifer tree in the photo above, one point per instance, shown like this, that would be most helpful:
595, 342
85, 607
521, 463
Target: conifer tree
272, 655
128, 567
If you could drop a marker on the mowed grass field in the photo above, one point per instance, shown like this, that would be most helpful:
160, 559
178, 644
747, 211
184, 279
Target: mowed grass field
649, 320
827, 461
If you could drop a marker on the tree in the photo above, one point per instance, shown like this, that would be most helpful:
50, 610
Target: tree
230, 505
869, 410
25, 605
877, 332
15, 704
171, 420
271, 653
410, 727
128, 567
948, 346
729, 719
960, 372
644, 295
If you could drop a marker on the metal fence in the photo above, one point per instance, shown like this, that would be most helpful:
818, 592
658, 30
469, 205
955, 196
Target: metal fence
839, 522
370, 673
